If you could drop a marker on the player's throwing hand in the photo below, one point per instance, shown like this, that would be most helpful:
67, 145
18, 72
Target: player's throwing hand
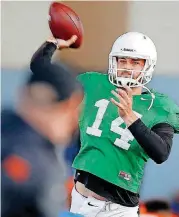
125, 104
62, 43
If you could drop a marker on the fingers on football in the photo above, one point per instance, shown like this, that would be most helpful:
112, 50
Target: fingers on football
72, 40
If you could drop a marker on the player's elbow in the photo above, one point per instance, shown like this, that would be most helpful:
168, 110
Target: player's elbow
161, 159
163, 154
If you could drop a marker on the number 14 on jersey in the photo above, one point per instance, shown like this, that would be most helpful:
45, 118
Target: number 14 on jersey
125, 134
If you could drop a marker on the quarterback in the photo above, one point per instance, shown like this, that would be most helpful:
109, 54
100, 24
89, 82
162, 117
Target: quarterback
122, 125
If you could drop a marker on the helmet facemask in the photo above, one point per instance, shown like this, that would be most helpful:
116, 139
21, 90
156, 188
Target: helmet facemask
119, 81
133, 45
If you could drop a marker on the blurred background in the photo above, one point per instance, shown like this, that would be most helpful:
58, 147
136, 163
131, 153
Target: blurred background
25, 28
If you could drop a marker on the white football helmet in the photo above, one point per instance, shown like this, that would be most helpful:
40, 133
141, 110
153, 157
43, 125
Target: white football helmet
132, 45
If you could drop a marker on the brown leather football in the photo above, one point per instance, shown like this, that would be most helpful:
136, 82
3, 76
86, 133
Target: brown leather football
64, 23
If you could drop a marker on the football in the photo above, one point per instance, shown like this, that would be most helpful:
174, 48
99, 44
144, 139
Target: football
64, 23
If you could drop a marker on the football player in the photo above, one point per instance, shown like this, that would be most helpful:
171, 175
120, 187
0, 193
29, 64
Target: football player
122, 125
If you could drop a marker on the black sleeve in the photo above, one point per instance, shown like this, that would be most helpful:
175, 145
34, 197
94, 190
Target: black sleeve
42, 57
62, 77
156, 142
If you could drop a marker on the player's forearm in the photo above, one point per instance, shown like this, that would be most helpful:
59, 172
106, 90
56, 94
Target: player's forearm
156, 142
42, 57
130, 119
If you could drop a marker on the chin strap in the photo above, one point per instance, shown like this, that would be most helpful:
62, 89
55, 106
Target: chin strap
130, 82
125, 81
152, 95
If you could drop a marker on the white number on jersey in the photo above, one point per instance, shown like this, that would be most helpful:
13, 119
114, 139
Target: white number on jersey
125, 134
94, 129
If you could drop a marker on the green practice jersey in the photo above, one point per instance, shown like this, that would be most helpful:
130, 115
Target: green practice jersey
108, 149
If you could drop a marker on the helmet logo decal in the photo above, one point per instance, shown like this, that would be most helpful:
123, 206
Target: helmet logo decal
127, 49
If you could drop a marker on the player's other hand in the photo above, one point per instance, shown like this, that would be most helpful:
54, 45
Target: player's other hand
124, 101
60, 43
